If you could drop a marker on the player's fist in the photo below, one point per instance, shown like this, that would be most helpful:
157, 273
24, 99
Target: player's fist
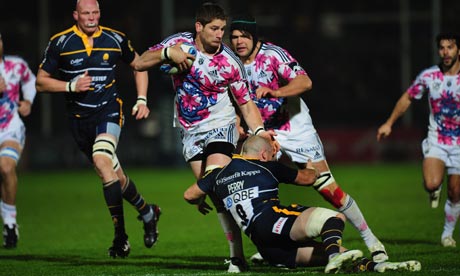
383, 132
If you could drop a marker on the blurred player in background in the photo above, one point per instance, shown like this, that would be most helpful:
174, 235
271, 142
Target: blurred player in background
284, 235
441, 147
84, 57
277, 80
204, 110
15, 76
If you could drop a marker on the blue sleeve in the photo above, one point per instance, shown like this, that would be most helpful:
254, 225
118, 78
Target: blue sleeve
207, 182
283, 173
127, 50
50, 62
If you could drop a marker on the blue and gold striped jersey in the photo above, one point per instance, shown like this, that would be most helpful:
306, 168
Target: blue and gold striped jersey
247, 187
69, 55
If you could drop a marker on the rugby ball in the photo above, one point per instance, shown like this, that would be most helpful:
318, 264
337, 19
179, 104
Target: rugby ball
171, 68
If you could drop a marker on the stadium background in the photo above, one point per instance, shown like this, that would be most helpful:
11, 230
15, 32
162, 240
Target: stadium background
360, 54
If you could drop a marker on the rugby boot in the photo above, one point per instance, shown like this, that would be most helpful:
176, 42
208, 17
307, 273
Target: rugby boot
378, 252
10, 236
236, 265
151, 227
120, 246
345, 261
435, 196
398, 266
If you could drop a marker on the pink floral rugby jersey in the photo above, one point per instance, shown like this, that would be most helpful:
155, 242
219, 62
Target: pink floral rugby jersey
16, 73
273, 67
444, 97
202, 99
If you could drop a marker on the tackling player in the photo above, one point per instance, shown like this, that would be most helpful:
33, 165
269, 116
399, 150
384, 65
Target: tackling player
284, 235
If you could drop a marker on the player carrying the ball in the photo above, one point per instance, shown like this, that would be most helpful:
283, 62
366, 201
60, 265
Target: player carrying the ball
204, 111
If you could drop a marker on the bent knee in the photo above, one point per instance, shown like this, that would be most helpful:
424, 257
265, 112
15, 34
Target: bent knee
318, 218
7, 166
341, 216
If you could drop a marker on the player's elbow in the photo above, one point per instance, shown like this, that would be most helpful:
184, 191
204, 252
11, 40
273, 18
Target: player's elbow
39, 86
303, 83
138, 66
308, 85
188, 196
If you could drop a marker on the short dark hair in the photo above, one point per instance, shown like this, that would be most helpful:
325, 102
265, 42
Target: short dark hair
208, 12
448, 36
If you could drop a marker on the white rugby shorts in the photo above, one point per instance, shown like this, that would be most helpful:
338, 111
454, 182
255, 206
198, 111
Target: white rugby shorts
195, 143
300, 147
449, 154
15, 131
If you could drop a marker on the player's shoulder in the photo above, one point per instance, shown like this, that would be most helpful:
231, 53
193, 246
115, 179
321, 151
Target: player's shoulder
434, 68
179, 37
111, 31
15, 60
61, 34
270, 49
430, 72
431, 69
269, 46
230, 56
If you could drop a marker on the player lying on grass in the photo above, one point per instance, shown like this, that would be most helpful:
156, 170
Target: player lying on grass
284, 235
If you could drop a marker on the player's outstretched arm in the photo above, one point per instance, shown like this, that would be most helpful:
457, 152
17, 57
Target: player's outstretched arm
147, 60
194, 195
400, 108
173, 54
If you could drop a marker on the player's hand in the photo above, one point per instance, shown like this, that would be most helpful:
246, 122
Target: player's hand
265, 92
140, 109
2, 85
242, 134
24, 108
383, 132
80, 83
270, 135
179, 57
276, 146
204, 208
311, 167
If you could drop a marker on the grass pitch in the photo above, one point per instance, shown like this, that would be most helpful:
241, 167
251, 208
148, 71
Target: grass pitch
65, 228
